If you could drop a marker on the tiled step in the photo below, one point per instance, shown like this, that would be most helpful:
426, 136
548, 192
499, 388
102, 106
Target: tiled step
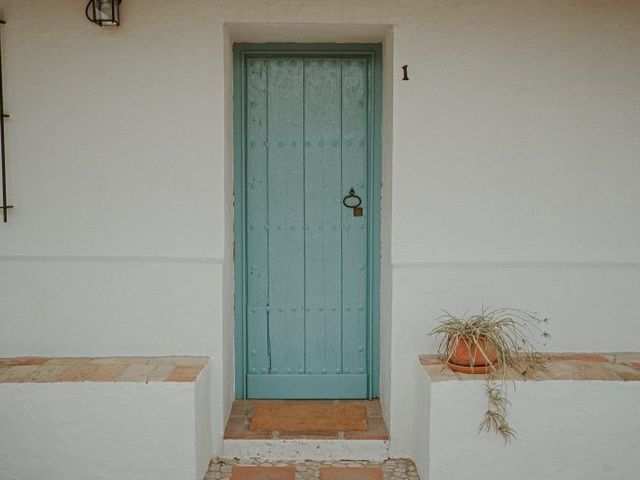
238, 425
259, 472
242, 442
391, 469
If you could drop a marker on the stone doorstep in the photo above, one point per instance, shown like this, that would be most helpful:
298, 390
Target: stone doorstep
101, 369
296, 450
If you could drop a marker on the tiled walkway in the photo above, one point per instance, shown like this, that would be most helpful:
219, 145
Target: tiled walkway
111, 369
393, 469
242, 412
559, 366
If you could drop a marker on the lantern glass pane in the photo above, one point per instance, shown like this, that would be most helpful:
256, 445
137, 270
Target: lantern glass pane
106, 12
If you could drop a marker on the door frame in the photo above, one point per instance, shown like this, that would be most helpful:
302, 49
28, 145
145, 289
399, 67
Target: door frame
374, 189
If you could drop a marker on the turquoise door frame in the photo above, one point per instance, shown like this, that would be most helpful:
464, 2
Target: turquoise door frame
242, 52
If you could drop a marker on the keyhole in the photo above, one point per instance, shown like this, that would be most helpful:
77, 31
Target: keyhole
405, 72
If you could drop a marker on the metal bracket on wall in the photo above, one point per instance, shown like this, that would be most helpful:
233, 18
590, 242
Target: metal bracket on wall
4, 207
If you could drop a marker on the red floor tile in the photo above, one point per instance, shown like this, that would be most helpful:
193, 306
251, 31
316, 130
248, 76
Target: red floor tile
351, 473
263, 473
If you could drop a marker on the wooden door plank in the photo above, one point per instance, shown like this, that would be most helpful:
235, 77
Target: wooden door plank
323, 208
286, 215
354, 237
257, 216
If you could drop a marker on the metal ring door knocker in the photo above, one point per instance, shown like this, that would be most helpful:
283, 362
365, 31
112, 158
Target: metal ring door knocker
353, 201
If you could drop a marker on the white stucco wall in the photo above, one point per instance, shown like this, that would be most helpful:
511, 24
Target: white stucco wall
565, 429
510, 171
105, 430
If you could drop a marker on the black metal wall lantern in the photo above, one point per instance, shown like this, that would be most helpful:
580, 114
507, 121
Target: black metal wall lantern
104, 12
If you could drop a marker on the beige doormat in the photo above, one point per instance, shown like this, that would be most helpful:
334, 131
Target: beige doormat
310, 417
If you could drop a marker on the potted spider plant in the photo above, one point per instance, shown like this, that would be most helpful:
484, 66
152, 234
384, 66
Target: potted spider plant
490, 343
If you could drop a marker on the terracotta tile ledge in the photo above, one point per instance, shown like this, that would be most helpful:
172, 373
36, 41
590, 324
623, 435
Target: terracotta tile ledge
101, 369
620, 366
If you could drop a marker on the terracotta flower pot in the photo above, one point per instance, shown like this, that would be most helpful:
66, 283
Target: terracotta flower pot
467, 357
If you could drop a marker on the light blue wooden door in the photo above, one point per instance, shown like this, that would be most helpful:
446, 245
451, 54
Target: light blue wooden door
307, 143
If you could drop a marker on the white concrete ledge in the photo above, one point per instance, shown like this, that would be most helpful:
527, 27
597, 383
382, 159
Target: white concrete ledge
307, 449
105, 430
567, 429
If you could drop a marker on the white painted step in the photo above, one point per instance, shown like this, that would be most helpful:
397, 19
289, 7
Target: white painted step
307, 449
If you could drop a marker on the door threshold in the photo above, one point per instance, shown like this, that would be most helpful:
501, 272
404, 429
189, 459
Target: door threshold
239, 425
